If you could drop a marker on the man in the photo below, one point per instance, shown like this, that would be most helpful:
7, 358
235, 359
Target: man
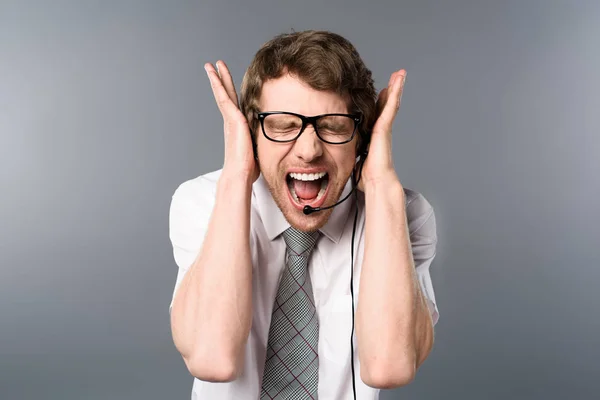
263, 303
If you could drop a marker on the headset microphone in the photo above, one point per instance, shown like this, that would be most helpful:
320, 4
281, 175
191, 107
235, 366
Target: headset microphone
309, 210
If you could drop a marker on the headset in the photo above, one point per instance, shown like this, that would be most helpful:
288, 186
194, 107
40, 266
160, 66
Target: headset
362, 151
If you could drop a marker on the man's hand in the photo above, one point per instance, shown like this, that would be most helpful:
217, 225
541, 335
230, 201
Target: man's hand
379, 165
212, 308
394, 343
239, 157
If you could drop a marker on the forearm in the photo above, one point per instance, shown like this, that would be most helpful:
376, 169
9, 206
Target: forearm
392, 315
212, 310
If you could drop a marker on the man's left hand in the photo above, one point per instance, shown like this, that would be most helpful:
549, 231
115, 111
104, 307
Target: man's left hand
379, 165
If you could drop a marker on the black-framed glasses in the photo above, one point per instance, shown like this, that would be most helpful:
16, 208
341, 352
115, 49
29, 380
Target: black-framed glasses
283, 126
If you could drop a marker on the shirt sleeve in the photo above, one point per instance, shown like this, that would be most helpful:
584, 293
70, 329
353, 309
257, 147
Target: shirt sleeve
423, 237
189, 215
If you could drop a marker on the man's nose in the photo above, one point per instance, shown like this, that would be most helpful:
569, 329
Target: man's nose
308, 146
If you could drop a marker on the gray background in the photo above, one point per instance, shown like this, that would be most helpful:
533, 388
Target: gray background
105, 109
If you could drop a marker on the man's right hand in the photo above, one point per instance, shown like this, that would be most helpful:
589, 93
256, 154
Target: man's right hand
239, 156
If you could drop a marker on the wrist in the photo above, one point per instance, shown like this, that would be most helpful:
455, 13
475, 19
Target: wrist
238, 174
235, 180
386, 181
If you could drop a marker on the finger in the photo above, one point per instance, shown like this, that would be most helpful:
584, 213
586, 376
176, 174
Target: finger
381, 100
401, 85
392, 104
384, 94
392, 78
227, 81
221, 97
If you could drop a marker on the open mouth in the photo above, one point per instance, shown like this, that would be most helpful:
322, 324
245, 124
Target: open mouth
307, 189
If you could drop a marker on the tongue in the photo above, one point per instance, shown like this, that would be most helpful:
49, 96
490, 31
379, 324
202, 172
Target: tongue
307, 189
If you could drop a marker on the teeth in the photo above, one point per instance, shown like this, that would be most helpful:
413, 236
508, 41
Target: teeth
319, 195
294, 195
307, 177
322, 191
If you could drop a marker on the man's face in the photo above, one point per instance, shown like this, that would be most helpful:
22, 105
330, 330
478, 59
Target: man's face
308, 154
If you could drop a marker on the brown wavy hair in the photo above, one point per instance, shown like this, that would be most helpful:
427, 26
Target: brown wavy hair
323, 60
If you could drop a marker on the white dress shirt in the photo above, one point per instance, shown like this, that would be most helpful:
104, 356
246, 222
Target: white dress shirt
329, 268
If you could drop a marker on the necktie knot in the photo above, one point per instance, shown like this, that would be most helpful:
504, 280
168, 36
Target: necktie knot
300, 243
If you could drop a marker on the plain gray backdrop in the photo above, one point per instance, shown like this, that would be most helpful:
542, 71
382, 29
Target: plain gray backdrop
105, 109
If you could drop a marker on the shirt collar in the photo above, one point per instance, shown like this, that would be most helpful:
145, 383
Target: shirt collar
275, 223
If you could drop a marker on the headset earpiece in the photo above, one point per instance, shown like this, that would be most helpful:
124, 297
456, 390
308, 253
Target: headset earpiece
363, 149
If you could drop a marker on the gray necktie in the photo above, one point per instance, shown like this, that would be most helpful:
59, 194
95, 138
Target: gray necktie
292, 363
